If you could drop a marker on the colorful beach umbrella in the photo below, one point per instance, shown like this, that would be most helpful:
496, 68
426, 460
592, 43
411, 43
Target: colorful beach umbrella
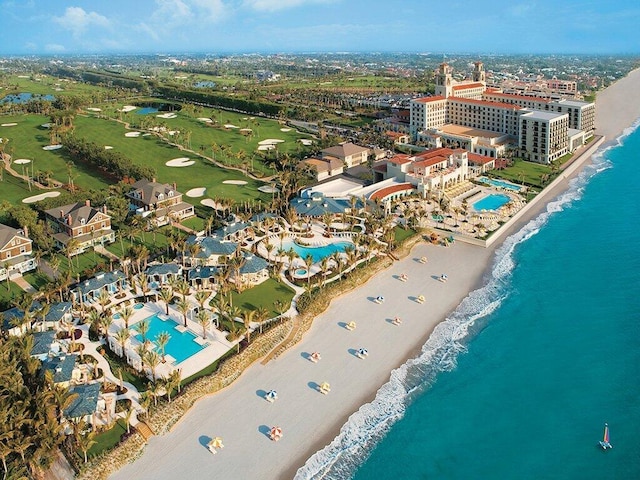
275, 434
362, 352
315, 356
216, 443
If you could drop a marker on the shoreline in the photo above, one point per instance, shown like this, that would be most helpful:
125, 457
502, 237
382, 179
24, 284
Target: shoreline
301, 411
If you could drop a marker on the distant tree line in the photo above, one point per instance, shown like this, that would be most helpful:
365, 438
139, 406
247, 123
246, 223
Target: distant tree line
218, 100
111, 162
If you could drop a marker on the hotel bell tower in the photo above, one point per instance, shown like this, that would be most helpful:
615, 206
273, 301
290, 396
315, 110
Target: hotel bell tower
444, 84
478, 72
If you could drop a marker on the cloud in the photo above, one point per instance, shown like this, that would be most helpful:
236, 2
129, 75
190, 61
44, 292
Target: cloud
54, 48
76, 20
521, 9
174, 13
273, 5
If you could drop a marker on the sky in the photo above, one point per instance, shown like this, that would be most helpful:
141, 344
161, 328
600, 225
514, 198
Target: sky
290, 26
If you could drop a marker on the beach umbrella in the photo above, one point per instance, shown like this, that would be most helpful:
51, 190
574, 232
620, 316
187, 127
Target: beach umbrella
275, 434
362, 352
351, 325
421, 298
216, 443
271, 395
325, 387
315, 356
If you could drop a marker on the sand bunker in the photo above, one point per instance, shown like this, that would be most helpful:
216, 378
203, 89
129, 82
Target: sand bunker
234, 182
52, 147
268, 189
230, 125
306, 141
94, 109
180, 162
246, 130
128, 108
173, 132
266, 147
270, 141
22, 161
108, 147
42, 196
132, 134
46, 125
207, 202
285, 129
206, 120
196, 192
9, 124
167, 115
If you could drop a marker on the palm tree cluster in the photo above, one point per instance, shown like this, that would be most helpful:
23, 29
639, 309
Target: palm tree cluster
31, 407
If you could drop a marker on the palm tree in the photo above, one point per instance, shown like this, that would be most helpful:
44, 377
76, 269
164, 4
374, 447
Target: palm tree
183, 288
173, 382
166, 295
201, 297
105, 322
122, 336
261, 316
143, 283
183, 308
204, 321
71, 249
247, 317
141, 350
143, 328
153, 360
85, 442
104, 299
162, 339
308, 261
126, 313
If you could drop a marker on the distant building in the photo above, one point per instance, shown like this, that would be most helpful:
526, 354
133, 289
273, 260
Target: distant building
15, 251
349, 153
324, 167
81, 222
471, 104
160, 202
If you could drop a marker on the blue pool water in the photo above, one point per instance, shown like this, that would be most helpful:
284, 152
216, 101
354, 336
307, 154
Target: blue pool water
180, 346
138, 306
491, 202
500, 183
146, 110
317, 253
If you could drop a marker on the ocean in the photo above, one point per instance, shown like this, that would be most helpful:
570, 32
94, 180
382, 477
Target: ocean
519, 381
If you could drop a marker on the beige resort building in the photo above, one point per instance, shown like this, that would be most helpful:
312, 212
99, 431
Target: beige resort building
487, 121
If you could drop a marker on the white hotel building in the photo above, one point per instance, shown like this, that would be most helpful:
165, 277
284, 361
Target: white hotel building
486, 121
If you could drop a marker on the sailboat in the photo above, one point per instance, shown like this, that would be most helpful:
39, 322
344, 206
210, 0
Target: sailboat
604, 443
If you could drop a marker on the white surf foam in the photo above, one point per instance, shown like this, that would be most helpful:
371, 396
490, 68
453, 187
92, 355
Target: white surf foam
366, 427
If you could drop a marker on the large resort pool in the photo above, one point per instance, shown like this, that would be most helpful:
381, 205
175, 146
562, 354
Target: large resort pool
500, 183
317, 253
181, 345
491, 202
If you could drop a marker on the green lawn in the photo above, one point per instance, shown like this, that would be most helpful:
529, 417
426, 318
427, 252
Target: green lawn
88, 260
264, 295
107, 439
26, 140
9, 293
402, 234
154, 243
37, 279
530, 172
15, 189
194, 223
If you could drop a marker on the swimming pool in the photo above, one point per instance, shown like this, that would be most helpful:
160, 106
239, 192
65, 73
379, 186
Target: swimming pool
180, 346
500, 183
317, 253
491, 202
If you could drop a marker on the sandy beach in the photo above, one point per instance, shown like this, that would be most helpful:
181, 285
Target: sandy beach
309, 419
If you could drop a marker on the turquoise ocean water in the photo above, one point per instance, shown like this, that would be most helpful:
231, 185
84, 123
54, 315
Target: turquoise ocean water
518, 382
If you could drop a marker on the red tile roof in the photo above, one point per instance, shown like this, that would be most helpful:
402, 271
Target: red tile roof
465, 86
485, 103
383, 192
400, 159
477, 158
430, 99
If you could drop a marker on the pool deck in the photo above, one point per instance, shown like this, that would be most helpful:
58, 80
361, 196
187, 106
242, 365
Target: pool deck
217, 346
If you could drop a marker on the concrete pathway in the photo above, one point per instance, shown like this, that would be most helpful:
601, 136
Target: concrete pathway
23, 284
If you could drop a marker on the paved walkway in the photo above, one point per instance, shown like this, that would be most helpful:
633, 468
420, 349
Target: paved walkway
59, 469
23, 284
